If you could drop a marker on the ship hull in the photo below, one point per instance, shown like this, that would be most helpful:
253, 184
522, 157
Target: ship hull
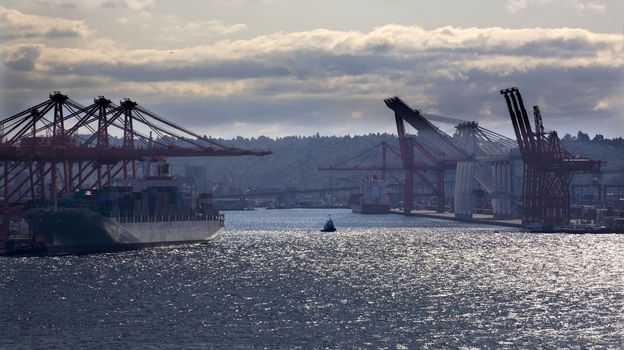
81, 231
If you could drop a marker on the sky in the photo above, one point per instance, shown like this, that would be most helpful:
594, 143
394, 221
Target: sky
227, 68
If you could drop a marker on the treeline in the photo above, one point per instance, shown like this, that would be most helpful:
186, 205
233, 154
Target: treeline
598, 147
598, 139
296, 159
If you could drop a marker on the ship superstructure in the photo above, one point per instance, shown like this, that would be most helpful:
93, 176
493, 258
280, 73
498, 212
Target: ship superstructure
372, 198
156, 210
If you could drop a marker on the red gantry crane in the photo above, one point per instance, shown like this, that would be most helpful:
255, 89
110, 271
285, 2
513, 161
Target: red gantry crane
414, 167
60, 146
384, 168
548, 167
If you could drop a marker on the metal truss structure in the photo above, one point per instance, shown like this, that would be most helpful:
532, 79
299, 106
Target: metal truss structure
417, 168
468, 152
60, 146
548, 167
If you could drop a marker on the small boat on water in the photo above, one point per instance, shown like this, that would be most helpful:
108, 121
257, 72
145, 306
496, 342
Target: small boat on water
329, 226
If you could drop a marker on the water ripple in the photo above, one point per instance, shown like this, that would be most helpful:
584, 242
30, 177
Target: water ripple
272, 280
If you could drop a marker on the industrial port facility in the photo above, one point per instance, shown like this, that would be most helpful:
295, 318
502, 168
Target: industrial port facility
483, 158
59, 147
65, 185
524, 182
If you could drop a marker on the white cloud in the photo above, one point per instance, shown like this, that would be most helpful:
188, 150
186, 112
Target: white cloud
136, 5
323, 60
356, 115
200, 29
591, 7
517, 5
452, 50
574, 5
17, 25
242, 2
323, 73
22, 57
135, 18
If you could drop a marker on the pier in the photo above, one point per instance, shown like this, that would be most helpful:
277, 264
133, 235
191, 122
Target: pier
484, 219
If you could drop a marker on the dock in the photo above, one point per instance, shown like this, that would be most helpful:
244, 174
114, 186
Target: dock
483, 219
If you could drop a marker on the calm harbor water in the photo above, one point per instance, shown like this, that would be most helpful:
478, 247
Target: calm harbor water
273, 280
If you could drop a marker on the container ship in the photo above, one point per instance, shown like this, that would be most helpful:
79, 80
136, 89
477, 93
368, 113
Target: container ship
372, 198
155, 210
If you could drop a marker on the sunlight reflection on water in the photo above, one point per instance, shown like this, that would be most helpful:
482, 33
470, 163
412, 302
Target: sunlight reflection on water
274, 280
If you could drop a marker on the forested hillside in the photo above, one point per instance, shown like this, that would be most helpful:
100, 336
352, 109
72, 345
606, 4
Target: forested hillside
598, 147
294, 162
296, 159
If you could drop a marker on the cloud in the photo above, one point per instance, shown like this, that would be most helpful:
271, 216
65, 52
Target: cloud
137, 5
305, 79
210, 69
22, 57
17, 25
323, 53
139, 17
517, 5
200, 29
574, 5
242, 2
66, 4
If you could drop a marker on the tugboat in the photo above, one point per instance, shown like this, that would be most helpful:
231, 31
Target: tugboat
329, 226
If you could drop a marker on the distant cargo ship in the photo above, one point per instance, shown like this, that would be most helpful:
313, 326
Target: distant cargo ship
156, 210
372, 198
